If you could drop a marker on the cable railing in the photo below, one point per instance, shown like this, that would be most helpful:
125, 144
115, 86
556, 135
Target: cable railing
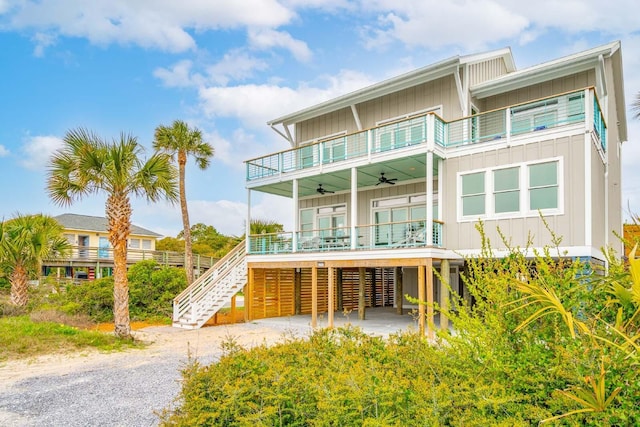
392, 235
513, 121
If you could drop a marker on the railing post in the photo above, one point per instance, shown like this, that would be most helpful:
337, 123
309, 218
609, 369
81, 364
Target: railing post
507, 125
431, 131
429, 183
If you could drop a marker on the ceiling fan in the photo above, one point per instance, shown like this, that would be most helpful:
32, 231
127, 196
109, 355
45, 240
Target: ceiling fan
384, 180
322, 190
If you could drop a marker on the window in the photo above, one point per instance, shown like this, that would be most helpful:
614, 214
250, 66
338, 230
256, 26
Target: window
506, 190
146, 244
516, 191
399, 220
331, 220
134, 243
543, 186
306, 222
71, 238
306, 156
536, 116
576, 108
333, 150
473, 194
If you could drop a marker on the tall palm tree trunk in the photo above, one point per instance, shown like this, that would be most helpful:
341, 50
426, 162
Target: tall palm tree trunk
188, 253
119, 215
19, 286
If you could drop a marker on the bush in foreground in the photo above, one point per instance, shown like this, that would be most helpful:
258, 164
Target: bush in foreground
546, 339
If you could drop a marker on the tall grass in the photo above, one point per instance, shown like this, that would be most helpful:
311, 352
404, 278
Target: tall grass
22, 337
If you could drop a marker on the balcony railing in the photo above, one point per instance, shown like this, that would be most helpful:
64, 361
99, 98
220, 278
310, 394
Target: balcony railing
92, 254
392, 235
513, 121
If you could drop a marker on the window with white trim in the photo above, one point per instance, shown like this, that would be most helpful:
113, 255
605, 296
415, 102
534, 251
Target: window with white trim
543, 186
473, 195
306, 222
146, 244
134, 243
517, 190
506, 190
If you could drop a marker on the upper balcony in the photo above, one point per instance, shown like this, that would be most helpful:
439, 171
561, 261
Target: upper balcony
429, 129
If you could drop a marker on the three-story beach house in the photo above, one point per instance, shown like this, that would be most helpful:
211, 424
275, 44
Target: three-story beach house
388, 183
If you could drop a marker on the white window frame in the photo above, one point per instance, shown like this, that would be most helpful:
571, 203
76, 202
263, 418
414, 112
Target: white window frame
145, 244
435, 109
518, 188
486, 181
528, 188
525, 211
137, 244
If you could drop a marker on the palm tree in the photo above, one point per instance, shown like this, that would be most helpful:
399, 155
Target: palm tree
183, 141
636, 106
87, 165
24, 242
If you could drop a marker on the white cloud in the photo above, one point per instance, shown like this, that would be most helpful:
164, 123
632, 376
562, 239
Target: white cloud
474, 24
159, 24
235, 65
38, 151
4, 151
255, 104
42, 40
228, 217
437, 24
265, 39
178, 75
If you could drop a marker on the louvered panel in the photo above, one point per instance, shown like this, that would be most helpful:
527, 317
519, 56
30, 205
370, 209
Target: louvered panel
287, 292
350, 280
273, 294
323, 277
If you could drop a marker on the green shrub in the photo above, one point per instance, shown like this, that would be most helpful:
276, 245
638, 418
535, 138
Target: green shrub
540, 333
152, 289
93, 298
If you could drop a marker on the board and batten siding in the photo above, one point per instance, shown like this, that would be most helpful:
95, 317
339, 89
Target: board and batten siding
542, 90
614, 161
481, 72
598, 200
365, 197
440, 92
570, 225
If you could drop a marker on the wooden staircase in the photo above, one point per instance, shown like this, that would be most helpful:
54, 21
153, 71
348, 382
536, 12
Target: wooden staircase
211, 291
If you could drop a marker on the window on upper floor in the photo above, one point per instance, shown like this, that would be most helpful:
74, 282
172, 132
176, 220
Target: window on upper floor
146, 244
506, 190
517, 190
473, 195
134, 243
543, 186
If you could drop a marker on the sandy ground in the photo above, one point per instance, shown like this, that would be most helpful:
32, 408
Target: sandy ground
79, 388
130, 388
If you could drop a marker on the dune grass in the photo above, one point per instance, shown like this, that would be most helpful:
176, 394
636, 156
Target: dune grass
22, 337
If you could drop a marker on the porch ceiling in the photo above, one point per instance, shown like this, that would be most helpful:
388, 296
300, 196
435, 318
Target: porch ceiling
404, 169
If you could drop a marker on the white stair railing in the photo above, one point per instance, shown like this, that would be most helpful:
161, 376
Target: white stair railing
211, 291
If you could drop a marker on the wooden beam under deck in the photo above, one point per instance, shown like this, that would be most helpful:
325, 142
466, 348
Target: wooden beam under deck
330, 296
314, 297
346, 263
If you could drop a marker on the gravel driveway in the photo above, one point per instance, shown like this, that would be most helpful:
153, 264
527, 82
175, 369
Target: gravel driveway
130, 388
117, 389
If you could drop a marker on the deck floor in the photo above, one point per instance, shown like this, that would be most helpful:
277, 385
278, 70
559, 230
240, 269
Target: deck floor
379, 321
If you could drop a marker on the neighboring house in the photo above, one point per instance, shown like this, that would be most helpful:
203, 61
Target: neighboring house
389, 182
92, 253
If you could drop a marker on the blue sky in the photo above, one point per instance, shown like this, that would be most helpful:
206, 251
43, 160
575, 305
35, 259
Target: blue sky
227, 67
